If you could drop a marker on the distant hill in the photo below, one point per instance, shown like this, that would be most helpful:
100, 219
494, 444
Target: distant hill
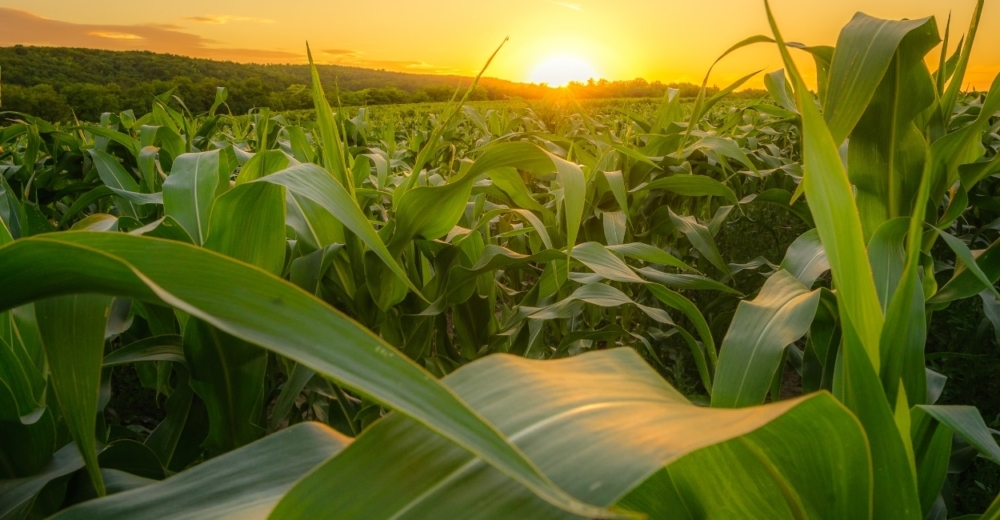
56, 82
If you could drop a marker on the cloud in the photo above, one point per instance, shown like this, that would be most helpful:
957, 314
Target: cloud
341, 53
25, 28
214, 19
115, 35
19, 27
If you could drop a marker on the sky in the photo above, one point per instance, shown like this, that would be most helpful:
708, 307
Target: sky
550, 40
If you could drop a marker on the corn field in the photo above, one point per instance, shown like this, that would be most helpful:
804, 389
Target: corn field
506, 310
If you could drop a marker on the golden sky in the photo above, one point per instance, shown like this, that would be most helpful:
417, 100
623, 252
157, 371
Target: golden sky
668, 40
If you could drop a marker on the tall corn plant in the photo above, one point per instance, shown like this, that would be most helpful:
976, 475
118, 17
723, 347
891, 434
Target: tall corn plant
877, 99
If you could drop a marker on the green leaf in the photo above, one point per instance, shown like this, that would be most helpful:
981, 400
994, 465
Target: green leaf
805, 258
753, 348
886, 149
189, 193
595, 294
332, 146
965, 283
609, 423
690, 186
865, 48
19, 494
156, 348
962, 252
702, 240
227, 373
248, 224
600, 260
245, 483
252, 305
72, 330
310, 182
932, 450
114, 176
262, 164
967, 423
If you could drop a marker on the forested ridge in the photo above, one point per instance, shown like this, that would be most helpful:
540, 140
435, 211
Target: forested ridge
57, 83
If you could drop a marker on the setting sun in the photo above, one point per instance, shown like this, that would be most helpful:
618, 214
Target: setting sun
558, 71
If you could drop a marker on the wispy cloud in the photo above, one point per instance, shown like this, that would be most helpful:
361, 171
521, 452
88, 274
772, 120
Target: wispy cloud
115, 35
575, 7
25, 28
341, 53
219, 19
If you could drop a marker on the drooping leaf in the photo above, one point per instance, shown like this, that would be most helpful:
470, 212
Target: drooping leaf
608, 426
257, 307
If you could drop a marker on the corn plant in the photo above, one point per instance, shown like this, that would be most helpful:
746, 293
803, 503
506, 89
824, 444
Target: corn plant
418, 316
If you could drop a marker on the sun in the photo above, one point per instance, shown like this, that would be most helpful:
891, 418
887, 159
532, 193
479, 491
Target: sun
558, 71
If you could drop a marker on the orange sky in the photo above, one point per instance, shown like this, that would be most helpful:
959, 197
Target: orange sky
667, 40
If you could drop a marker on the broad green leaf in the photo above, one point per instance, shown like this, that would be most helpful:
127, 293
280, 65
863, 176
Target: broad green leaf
156, 348
262, 164
971, 264
310, 182
616, 182
97, 222
413, 218
257, 307
761, 330
509, 180
614, 227
189, 193
19, 494
805, 258
691, 186
886, 149
114, 176
686, 281
965, 283
27, 448
967, 423
701, 238
600, 260
227, 373
595, 294
129, 142
724, 148
887, 256
248, 224
648, 253
72, 330
864, 51
246, 483
608, 424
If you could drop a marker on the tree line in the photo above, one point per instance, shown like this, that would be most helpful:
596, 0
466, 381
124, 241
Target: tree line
60, 84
